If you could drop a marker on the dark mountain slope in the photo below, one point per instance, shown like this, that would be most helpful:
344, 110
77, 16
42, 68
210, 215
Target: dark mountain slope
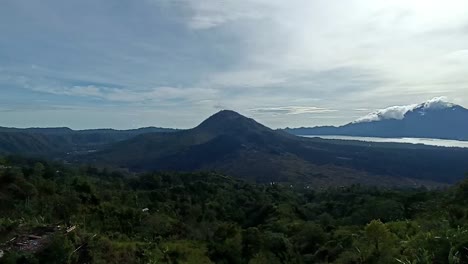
239, 146
27, 144
68, 131
223, 134
53, 142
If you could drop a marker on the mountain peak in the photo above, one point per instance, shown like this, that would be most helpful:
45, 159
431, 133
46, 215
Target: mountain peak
227, 114
230, 121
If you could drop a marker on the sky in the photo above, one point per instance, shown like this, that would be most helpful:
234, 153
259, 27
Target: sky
172, 63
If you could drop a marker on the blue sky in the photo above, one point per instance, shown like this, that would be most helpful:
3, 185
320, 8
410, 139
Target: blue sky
172, 63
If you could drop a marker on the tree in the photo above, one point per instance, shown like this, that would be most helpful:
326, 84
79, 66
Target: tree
251, 242
227, 245
380, 239
309, 238
377, 233
38, 170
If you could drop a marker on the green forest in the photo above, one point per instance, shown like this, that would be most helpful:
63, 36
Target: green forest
55, 213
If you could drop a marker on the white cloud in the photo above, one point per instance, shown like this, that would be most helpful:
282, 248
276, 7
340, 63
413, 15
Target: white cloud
213, 13
90, 90
399, 112
252, 78
393, 112
437, 103
293, 110
413, 47
131, 95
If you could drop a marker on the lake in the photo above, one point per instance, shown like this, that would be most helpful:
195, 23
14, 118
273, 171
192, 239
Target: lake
425, 141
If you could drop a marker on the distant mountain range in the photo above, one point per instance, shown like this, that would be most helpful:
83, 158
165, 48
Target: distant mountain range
233, 144
435, 118
57, 141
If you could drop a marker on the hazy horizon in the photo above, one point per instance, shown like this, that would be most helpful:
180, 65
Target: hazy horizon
390, 111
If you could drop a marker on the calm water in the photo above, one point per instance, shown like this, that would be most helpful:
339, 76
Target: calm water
425, 141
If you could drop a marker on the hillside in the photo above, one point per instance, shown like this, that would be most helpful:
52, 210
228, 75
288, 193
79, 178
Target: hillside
231, 143
432, 119
28, 144
52, 142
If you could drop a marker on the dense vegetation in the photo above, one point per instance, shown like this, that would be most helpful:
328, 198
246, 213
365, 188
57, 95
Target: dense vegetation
211, 218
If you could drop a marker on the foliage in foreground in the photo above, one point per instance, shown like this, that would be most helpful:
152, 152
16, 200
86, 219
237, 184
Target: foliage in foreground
211, 218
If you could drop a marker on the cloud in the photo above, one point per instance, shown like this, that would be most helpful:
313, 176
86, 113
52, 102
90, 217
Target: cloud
293, 110
38, 107
190, 57
437, 103
393, 112
209, 14
130, 95
399, 112
253, 78
207, 19
88, 91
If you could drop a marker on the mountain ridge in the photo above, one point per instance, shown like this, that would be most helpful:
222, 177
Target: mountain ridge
60, 130
432, 119
57, 141
236, 145
233, 144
